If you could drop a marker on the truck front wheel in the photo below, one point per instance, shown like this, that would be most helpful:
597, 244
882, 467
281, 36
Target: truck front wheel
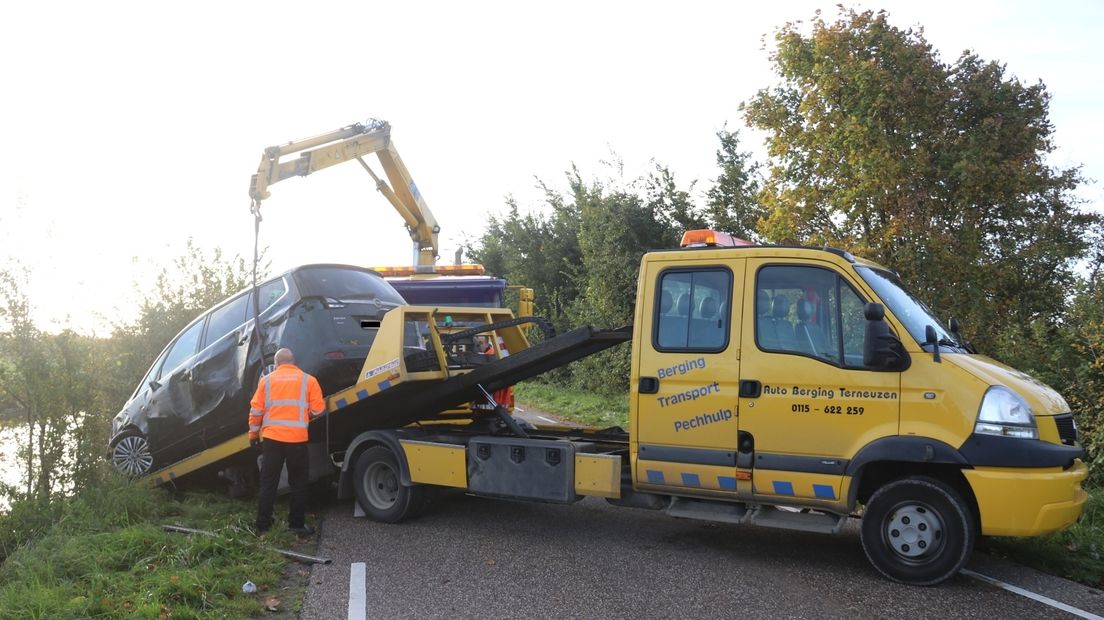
380, 491
917, 531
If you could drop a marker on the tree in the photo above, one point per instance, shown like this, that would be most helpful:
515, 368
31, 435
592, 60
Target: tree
937, 170
732, 204
48, 381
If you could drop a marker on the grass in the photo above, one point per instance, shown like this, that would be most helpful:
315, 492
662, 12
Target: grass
105, 556
1076, 553
576, 405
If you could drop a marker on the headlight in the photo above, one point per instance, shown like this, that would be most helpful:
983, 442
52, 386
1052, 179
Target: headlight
1004, 413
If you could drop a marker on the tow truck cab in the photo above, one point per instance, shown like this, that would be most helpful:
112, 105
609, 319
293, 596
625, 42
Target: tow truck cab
811, 378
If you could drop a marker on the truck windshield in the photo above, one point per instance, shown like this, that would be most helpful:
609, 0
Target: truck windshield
909, 310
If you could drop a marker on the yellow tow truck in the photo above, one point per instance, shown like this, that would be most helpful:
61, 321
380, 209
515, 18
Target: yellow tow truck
782, 387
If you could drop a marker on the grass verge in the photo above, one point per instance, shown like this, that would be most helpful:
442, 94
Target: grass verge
106, 556
1076, 553
576, 405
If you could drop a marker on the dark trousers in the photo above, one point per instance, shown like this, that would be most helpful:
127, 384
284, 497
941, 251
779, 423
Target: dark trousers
273, 456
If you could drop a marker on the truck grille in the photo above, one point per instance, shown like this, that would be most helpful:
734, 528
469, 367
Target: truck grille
1067, 430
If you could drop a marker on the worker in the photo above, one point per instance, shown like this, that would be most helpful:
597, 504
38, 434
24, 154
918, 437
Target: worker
285, 402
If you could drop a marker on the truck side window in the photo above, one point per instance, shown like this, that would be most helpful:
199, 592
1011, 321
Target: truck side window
808, 311
692, 310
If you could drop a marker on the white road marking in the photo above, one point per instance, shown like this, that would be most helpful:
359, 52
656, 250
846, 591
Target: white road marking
1031, 595
358, 597
357, 510
547, 420
518, 409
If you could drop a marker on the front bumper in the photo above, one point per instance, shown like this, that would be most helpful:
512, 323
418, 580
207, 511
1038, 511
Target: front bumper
1028, 501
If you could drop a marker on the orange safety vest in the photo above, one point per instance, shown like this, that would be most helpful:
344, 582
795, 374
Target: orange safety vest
284, 404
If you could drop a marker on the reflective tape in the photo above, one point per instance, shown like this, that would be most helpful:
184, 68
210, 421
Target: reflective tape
254, 428
301, 405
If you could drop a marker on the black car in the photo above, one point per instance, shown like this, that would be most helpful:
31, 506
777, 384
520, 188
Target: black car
196, 395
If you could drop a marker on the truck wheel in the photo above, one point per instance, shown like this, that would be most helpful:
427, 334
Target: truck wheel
130, 454
380, 491
917, 531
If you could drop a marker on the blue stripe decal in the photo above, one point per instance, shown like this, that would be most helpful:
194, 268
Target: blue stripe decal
362, 394
341, 402
655, 477
728, 483
824, 491
691, 480
783, 488
384, 385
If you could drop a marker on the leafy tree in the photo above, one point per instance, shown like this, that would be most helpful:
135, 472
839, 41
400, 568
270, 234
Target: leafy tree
732, 204
48, 381
937, 170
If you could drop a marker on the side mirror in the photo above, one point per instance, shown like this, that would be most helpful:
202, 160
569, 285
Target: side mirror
931, 338
154, 385
954, 325
881, 349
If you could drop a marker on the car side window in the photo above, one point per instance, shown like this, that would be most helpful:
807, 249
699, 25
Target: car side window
809, 311
271, 292
692, 310
184, 347
226, 319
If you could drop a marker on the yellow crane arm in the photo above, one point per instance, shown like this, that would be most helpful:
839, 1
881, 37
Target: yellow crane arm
342, 145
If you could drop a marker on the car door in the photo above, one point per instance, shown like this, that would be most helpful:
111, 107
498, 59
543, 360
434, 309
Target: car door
807, 403
221, 373
688, 368
171, 408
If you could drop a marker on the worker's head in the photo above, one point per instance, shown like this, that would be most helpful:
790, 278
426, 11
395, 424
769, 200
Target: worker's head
284, 356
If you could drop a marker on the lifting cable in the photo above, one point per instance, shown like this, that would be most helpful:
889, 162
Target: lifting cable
258, 331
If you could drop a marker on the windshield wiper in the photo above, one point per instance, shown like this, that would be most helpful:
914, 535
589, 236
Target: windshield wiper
947, 342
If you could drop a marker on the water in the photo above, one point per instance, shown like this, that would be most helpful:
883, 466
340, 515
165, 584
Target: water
12, 468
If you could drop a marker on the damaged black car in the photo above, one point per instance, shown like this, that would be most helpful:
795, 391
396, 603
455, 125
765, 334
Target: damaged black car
196, 394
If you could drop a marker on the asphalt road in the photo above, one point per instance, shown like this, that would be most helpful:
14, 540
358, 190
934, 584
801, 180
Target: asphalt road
471, 557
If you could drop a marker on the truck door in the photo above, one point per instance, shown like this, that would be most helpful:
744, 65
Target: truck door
687, 370
807, 403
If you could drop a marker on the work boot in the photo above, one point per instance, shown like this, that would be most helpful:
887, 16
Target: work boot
303, 530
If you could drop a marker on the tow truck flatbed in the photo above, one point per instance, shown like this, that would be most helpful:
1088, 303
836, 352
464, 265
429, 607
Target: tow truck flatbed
403, 384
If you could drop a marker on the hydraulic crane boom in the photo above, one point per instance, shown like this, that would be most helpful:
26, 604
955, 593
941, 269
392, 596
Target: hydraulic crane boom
342, 145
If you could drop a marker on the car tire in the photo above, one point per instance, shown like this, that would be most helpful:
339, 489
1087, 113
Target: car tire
131, 454
918, 531
379, 488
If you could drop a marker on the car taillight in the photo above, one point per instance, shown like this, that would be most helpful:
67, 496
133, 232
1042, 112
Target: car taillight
335, 355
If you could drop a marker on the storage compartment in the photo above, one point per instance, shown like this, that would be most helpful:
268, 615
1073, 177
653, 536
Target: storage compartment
531, 469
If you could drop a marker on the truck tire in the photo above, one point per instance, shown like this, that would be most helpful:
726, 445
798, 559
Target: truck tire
917, 531
380, 491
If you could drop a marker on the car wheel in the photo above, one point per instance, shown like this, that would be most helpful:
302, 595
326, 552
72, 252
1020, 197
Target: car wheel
131, 454
380, 491
917, 531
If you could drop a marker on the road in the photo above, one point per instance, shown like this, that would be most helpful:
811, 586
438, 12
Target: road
471, 557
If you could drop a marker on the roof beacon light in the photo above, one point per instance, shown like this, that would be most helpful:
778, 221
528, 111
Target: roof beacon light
441, 270
702, 238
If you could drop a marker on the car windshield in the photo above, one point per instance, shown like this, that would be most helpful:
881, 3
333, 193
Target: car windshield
345, 284
909, 310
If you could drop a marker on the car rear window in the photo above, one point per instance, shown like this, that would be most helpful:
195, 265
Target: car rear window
345, 284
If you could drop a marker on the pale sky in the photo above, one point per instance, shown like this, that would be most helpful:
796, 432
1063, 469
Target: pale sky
129, 127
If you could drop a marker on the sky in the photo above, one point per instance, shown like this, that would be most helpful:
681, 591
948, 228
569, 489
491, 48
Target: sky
129, 127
